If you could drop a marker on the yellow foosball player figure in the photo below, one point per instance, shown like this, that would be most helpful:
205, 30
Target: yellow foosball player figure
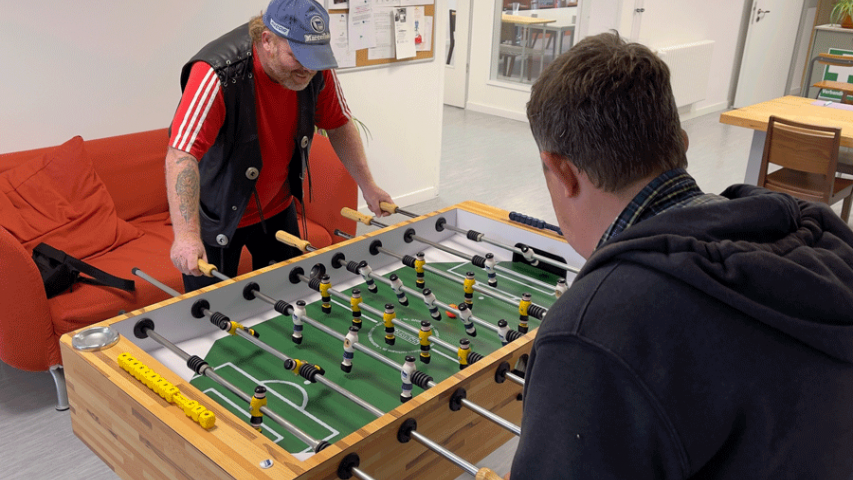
259, 399
355, 300
325, 285
468, 288
420, 261
423, 337
523, 312
388, 318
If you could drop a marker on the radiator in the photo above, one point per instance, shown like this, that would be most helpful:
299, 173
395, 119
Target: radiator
690, 66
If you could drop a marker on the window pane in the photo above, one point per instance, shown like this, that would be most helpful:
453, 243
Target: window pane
529, 34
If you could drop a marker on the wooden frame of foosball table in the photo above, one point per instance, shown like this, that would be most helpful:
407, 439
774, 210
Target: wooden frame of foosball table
141, 436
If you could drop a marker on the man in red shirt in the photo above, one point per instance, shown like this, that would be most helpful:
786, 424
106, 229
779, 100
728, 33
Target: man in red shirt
240, 137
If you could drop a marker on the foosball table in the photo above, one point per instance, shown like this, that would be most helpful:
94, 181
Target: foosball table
396, 354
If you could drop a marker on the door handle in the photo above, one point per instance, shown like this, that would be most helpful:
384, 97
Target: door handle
760, 15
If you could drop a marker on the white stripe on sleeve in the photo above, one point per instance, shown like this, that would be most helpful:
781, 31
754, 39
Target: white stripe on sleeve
191, 114
340, 94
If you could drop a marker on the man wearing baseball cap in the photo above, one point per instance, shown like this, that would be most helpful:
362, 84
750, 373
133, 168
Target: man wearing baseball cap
239, 140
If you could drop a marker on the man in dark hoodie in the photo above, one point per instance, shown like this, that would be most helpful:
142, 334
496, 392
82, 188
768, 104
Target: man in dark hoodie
707, 336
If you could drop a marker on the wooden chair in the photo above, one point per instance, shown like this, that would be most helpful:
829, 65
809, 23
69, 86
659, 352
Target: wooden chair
832, 60
808, 155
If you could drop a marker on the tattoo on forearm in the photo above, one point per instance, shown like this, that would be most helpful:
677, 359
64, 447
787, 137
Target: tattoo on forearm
186, 188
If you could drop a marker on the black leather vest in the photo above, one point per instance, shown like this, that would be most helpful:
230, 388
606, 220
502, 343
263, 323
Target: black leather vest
229, 170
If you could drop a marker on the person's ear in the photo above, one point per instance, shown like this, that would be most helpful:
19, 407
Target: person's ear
266, 41
563, 171
686, 140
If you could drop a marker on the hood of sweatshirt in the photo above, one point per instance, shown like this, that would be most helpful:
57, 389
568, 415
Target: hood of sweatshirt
782, 261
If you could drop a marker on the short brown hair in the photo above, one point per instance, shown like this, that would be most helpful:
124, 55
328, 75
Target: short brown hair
607, 106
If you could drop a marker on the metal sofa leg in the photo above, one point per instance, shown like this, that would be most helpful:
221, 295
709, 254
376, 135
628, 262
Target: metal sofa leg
61, 392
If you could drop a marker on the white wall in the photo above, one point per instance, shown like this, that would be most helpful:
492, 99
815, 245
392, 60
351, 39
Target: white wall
664, 23
101, 68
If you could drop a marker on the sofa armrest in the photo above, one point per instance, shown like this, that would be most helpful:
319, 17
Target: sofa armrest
333, 189
27, 337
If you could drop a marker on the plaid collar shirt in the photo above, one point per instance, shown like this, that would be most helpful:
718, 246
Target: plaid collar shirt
670, 190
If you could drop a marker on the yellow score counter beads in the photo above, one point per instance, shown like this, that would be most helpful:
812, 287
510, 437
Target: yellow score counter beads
165, 389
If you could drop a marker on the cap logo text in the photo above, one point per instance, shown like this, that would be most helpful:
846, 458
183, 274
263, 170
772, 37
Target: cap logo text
317, 38
280, 28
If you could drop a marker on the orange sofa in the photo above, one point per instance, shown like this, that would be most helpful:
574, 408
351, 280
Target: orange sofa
104, 201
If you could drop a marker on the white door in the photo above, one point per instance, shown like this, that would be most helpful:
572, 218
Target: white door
456, 56
768, 51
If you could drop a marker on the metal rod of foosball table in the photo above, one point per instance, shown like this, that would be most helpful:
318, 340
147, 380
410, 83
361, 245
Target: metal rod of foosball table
329, 331
437, 272
473, 258
446, 275
153, 281
490, 292
376, 312
515, 378
452, 278
455, 459
209, 270
352, 214
318, 378
390, 363
392, 208
307, 247
206, 371
527, 253
502, 422
358, 473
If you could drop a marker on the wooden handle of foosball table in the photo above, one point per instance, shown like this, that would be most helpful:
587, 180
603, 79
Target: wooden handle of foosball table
357, 216
206, 268
388, 207
292, 240
486, 474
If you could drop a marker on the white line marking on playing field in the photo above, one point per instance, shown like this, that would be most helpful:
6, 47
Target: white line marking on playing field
246, 413
285, 400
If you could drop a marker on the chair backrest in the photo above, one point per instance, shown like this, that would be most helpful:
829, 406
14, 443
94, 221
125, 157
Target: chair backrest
811, 149
835, 60
824, 59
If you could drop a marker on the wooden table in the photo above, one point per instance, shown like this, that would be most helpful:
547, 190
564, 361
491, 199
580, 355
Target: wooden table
141, 436
798, 109
525, 22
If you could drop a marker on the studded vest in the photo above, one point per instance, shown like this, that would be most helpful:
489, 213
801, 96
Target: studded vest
230, 168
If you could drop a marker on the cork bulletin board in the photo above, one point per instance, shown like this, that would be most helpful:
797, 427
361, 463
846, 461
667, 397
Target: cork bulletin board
361, 55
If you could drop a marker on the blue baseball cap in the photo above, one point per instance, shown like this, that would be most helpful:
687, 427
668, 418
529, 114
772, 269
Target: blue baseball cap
305, 26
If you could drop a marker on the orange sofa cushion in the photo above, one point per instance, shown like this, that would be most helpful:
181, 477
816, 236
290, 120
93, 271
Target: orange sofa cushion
57, 198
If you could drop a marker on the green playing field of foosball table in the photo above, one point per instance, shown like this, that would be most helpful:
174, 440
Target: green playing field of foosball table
321, 412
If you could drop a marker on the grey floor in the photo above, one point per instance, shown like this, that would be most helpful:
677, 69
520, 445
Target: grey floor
484, 158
